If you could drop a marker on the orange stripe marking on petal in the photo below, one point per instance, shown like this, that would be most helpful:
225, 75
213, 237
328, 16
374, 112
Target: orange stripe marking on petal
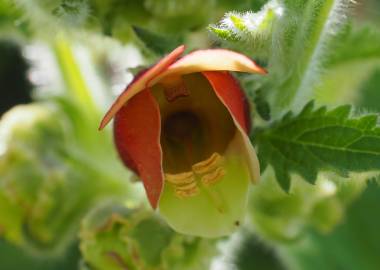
137, 129
140, 83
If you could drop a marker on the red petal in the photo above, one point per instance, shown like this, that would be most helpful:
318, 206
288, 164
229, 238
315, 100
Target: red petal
210, 60
140, 83
137, 128
230, 94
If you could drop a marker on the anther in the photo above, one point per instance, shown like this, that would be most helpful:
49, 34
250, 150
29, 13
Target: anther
191, 185
180, 178
187, 190
187, 193
184, 184
213, 177
208, 165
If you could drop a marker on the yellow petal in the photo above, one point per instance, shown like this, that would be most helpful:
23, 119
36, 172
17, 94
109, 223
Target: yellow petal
218, 207
250, 155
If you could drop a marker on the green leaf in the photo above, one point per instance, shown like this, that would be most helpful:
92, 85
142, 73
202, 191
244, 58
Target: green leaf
262, 106
157, 43
370, 93
354, 244
320, 139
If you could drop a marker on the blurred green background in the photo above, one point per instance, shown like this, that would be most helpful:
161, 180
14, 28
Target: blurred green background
65, 61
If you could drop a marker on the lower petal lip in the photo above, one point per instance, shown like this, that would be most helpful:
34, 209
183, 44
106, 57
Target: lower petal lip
218, 207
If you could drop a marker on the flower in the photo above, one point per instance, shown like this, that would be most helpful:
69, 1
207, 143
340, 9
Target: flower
182, 127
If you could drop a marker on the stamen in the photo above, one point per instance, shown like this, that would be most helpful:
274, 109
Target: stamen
213, 177
187, 193
187, 186
208, 165
187, 190
180, 178
184, 184
209, 171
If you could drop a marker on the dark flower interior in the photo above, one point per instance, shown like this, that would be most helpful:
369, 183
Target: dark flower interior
195, 124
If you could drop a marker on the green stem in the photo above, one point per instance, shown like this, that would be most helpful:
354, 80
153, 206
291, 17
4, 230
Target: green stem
75, 83
319, 21
314, 53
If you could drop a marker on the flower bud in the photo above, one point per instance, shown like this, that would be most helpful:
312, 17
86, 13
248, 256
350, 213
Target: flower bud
284, 217
253, 29
44, 188
116, 237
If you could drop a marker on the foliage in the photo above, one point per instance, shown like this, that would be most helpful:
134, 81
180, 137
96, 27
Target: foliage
114, 236
331, 140
315, 130
358, 232
355, 50
46, 186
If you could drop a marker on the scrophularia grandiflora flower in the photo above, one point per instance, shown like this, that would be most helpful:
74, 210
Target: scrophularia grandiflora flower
182, 127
